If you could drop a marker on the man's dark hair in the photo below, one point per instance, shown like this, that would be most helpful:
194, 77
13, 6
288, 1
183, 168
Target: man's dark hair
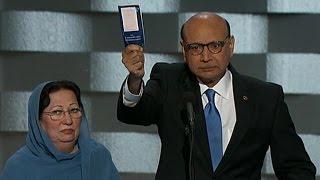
182, 28
54, 87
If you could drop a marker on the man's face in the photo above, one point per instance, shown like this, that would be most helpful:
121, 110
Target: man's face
207, 66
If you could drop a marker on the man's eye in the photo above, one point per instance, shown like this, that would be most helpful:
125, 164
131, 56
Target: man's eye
194, 46
214, 45
57, 112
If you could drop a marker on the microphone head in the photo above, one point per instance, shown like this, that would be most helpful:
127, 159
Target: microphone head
189, 100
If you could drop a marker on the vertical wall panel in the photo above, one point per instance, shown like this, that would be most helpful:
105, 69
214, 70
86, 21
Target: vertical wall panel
293, 6
297, 73
147, 6
108, 72
45, 31
14, 109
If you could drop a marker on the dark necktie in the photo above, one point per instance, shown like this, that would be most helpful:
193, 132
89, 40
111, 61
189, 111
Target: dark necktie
214, 129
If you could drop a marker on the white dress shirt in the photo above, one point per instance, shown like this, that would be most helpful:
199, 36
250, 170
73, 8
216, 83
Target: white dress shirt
224, 101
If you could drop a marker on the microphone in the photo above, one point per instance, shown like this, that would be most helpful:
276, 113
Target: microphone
189, 100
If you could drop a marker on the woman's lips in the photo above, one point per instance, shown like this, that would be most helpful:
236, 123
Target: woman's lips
67, 131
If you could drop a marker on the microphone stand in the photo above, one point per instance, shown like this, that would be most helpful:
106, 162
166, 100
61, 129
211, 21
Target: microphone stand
191, 139
189, 99
191, 142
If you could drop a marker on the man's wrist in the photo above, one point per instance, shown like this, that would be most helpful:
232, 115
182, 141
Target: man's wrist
134, 84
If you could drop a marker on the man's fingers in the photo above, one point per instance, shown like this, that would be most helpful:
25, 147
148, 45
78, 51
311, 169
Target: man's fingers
136, 69
133, 56
133, 59
136, 60
133, 47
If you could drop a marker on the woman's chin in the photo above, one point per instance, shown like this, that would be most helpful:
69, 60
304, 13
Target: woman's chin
68, 140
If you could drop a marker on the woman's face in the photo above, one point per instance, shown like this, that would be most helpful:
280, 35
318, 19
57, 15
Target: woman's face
61, 119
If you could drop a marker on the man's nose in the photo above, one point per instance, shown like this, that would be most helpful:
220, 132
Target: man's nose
205, 55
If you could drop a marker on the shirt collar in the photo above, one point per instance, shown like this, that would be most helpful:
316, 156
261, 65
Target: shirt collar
223, 87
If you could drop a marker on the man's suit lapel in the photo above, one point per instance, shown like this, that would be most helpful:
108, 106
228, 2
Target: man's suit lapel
243, 115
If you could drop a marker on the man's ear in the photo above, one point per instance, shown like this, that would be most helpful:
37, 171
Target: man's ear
231, 45
183, 51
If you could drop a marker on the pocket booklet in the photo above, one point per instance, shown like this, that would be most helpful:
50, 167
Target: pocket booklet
131, 25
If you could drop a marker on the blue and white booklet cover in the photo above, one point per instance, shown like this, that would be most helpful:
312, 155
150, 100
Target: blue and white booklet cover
131, 25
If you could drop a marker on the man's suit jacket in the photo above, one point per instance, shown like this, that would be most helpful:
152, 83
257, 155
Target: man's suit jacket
262, 117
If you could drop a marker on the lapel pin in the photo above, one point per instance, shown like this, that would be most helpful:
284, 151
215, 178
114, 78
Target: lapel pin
245, 98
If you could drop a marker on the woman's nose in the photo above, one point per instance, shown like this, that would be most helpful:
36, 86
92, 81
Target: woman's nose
67, 118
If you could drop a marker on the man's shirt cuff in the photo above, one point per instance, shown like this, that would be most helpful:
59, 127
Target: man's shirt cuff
129, 99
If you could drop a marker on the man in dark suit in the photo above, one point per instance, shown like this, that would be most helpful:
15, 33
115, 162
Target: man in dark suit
234, 124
